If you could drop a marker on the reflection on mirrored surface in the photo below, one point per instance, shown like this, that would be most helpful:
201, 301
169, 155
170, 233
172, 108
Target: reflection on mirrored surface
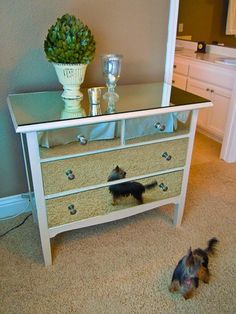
43, 107
72, 109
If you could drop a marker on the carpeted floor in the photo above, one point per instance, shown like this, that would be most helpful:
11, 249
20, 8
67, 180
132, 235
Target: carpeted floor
126, 266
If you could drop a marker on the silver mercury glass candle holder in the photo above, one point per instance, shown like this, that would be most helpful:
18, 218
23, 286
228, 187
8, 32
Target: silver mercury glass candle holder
111, 67
94, 95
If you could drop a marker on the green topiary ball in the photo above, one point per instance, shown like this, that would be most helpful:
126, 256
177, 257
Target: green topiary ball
69, 41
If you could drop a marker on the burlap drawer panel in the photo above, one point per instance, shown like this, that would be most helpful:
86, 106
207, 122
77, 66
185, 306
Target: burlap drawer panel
99, 202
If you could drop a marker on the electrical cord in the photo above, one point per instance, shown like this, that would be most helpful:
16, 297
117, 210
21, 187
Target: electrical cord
20, 224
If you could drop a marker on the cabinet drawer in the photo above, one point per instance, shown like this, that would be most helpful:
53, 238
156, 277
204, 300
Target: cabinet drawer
80, 139
179, 81
107, 135
82, 205
157, 127
212, 76
181, 67
136, 161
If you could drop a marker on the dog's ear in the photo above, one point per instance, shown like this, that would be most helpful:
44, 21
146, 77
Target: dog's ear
190, 259
117, 168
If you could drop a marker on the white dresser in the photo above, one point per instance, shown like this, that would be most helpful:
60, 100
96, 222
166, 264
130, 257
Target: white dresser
150, 136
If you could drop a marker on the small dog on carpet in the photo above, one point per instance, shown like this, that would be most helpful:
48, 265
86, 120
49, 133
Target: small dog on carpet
192, 268
133, 188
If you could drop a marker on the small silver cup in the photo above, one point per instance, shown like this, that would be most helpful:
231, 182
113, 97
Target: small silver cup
94, 95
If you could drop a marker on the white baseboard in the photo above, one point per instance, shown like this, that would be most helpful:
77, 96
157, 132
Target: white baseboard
214, 137
14, 205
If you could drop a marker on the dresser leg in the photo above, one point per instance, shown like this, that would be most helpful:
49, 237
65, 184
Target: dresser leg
178, 214
46, 248
34, 158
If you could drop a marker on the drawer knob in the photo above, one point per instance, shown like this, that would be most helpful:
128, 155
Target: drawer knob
70, 174
72, 209
163, 187
166, 156
160, 127
175, 66
82, 139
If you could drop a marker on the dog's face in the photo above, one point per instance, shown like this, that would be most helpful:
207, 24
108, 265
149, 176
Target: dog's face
201, 256
116, 174
192, 263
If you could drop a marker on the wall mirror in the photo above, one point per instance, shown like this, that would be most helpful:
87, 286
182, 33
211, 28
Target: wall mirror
205, 20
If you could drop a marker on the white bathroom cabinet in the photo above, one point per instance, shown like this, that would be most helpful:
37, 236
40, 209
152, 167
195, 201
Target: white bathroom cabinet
209, 80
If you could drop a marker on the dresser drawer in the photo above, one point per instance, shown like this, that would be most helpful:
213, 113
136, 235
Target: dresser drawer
73, 173
83, 205
79, 140
157, 127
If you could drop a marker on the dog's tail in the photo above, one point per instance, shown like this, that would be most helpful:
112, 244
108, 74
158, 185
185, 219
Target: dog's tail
211, 248
150, 185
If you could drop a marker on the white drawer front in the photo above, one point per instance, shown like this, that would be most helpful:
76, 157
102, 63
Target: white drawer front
212, 76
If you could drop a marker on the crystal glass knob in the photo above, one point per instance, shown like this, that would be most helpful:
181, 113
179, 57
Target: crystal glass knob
70, 174
82, 139
166, 156
72, 209
163, 187
160, 127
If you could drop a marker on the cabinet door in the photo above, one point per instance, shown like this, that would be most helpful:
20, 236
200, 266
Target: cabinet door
218, 114
200, 89
179, 81
181, 67
213, 119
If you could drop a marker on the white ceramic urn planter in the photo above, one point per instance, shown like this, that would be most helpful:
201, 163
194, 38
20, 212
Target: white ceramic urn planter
71, 76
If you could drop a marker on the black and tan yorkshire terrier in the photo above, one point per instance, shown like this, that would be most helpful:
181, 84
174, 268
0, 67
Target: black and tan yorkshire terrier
128, 188
192, 268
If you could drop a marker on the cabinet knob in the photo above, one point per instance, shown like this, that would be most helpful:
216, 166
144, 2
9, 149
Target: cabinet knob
70, 174
175, 66
173, 81
166, 156
82, 139
207, 89
163, 187
72, 209
160, 127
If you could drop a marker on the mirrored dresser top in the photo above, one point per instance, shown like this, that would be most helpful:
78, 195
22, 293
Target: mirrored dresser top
36, 109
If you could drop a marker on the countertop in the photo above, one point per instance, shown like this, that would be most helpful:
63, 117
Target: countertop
205, 57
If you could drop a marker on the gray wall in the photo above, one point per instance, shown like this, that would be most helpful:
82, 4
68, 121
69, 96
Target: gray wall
135, 28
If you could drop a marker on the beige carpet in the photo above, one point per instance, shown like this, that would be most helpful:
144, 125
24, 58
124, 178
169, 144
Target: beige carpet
126, 266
